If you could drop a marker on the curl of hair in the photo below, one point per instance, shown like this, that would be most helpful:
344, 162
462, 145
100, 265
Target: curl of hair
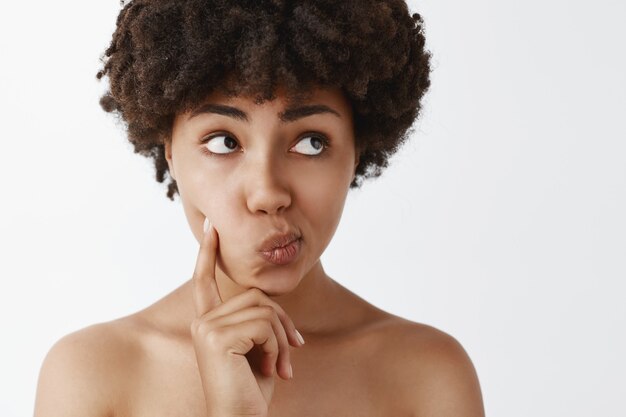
167, 56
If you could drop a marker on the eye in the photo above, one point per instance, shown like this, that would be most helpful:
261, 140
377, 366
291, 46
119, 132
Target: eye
318, 143
216, 144
219, 145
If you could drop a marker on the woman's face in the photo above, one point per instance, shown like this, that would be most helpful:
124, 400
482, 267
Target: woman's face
256, 170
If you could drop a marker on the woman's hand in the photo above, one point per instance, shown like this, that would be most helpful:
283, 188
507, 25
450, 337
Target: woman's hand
238, 343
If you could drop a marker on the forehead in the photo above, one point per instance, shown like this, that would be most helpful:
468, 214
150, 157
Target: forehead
333, 97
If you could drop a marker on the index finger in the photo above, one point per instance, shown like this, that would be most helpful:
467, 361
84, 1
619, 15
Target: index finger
205, 292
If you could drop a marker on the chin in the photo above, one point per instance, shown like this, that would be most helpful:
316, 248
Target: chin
275, 284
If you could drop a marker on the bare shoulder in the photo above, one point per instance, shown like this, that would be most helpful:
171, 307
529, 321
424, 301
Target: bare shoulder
429, 369
83, 373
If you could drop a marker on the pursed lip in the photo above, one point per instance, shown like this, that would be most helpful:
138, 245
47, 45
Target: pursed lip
278, 240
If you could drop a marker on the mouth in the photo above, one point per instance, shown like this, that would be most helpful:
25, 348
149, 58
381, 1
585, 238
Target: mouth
278, 241
281, 255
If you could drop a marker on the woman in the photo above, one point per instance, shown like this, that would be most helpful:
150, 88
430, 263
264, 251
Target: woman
263, 114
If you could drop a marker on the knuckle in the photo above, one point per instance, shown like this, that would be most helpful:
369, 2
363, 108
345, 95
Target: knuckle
267, 325
214, 337
267, 312
201, 327
279, 310
204, 334
257, 293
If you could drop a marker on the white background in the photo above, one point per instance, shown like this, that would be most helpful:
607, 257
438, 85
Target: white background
501, 222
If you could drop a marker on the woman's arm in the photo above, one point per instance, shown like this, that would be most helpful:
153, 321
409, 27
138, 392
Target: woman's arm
79, 375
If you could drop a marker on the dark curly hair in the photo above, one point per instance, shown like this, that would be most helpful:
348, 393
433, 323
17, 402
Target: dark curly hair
167, 56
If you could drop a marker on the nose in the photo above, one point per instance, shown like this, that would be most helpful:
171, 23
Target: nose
267, 187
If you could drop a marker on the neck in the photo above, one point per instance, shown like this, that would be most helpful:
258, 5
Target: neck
307, 305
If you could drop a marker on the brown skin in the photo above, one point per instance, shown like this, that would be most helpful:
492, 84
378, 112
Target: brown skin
357, 359
374, 49
268, 187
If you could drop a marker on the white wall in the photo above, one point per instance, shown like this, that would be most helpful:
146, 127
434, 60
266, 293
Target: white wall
506, 208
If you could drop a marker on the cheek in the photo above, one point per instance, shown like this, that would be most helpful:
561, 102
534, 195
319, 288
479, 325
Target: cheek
201, 197
322, 205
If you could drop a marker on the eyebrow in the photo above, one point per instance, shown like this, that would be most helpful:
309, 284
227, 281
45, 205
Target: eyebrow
291, 114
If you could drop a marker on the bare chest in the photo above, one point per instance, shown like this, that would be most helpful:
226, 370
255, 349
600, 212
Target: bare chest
327, 382
333, 388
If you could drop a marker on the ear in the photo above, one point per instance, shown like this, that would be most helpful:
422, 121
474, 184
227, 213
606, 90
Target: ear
358, 157
356, 163
168, 158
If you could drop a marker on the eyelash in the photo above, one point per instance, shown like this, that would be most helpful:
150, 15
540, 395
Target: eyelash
324, 139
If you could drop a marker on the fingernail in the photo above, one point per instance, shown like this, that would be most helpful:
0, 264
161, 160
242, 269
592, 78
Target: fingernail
290, 371
207, 224
299, 337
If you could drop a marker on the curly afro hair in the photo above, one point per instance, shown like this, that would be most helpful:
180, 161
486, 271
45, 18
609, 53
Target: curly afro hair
167, 56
